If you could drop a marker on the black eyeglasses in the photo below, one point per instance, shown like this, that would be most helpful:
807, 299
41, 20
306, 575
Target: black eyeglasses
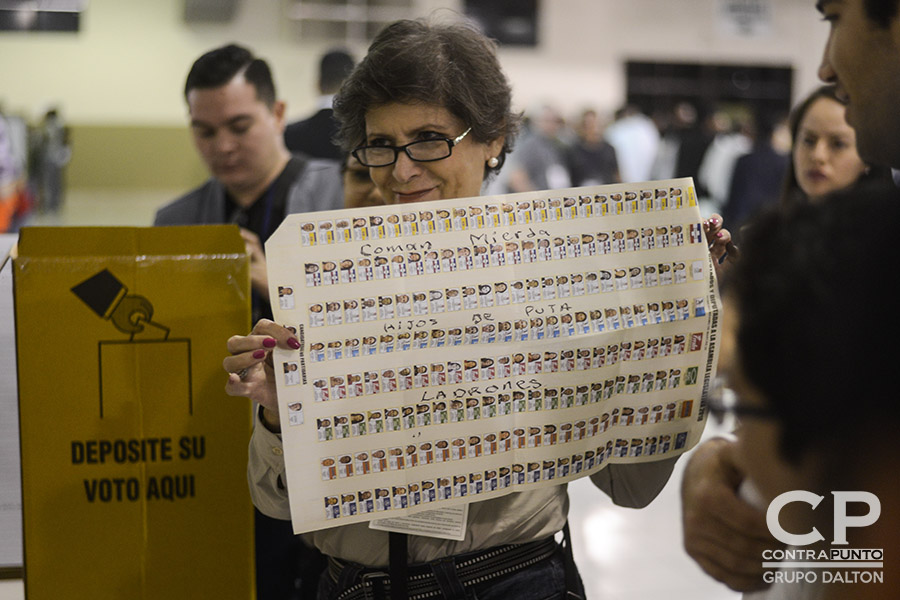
722, 402
420, 151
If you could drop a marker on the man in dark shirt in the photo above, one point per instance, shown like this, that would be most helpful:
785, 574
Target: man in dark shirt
592, 160
315, 135
238, 128
757, 178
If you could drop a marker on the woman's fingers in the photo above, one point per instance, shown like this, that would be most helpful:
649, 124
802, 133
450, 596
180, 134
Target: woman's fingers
720, 243
265, 335
241, 363
718, 247
283, 336
249, 364
248, 352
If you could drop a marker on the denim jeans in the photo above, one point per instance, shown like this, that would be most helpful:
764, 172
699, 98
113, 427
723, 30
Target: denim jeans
545, 580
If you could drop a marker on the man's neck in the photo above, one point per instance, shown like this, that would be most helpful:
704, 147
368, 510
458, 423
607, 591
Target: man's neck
247, 196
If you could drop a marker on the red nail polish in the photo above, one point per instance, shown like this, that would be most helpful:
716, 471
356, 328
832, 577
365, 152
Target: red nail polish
259, 354
293, 343
269, 342
718, 235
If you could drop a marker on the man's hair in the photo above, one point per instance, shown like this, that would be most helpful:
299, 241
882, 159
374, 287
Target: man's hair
882, 11
449, 65
333, 70
817, 327
217, 67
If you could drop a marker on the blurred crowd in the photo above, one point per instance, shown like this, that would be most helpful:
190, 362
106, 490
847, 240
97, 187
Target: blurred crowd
738, 155
32, 161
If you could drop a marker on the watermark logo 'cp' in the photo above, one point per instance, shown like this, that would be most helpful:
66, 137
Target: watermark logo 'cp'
842, 521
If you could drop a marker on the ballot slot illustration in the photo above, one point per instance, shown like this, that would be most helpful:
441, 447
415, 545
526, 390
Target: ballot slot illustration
148, 366
109, 298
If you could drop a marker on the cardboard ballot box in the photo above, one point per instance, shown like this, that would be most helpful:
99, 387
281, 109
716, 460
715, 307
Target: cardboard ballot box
133, 458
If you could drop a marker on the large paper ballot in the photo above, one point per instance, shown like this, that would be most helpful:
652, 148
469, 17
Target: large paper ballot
459, 350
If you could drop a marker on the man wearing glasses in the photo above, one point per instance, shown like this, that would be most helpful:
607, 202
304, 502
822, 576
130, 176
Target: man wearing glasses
814, 396
723, 533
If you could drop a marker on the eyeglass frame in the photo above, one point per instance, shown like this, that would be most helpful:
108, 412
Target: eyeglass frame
405, 148
720, 409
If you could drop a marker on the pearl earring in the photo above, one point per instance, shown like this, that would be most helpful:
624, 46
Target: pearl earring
493, 162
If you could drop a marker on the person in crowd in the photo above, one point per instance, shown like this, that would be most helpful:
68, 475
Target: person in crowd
428, 110
824, 160
17, 198
591, 159
669, 122
636, 139
53, 154
757, 176
237, 125
729, 144
802, 428
823, 151
10, 176
539, 163
693, 142
315, 135
862, 59
723, 533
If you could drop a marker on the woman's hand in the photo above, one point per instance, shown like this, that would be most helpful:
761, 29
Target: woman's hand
720, 244
250, 370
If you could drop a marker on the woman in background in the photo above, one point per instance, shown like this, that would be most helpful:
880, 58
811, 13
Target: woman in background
823, 151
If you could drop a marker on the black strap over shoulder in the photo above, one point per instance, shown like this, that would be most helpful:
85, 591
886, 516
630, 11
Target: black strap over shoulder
398, 544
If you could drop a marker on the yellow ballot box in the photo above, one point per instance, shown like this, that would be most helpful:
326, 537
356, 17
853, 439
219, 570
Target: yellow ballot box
133, 458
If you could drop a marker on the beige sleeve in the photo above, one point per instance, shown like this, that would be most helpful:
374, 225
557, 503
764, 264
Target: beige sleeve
634, 485
265, 472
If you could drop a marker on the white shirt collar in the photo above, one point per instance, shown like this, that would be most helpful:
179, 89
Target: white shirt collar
325, 101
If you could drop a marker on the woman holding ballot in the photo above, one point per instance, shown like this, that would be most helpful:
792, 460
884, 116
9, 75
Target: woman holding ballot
429, 112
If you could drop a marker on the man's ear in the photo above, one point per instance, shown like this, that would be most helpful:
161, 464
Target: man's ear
279, 109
